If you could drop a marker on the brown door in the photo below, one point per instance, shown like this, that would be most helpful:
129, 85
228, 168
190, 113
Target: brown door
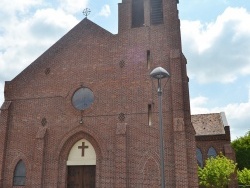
81, 176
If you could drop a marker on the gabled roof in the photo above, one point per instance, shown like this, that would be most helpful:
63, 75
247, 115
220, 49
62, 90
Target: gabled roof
65, 53
209, 124
84, 31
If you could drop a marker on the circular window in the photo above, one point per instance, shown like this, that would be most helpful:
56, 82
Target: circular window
82, 98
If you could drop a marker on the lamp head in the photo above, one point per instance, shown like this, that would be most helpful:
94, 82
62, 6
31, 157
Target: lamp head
159, 73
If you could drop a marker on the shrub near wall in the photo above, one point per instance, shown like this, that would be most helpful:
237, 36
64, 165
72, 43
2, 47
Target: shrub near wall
244, 177
217, 172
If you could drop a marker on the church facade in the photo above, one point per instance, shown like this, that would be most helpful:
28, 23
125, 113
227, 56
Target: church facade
85, 113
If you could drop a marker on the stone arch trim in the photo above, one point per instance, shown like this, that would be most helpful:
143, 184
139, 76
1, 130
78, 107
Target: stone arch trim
12, 167
201, 150
202, 156
69, 94
67, 143
65, 149
20, 174
211, 147
145, 158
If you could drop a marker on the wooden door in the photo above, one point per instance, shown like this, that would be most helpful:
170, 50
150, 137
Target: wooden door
81, 176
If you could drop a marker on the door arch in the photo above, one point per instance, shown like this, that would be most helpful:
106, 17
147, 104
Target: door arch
82, 153
67, 142
81, 165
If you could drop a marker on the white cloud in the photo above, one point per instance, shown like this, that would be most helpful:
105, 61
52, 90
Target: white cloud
73, 6
197, 105
105, 11
17, 5
24, 37
238, 110
238, 117
218, 51
54, 22
237, 114
27, 39
199, 101
1, 96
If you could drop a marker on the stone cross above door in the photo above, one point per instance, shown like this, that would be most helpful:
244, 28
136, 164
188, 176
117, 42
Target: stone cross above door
83, 147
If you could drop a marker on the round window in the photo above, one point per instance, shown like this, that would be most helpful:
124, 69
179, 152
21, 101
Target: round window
82, 98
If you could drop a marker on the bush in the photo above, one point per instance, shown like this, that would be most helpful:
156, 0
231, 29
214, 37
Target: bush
217, 172
244, 177
242, 149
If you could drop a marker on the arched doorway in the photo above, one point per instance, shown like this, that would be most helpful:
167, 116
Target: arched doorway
81, 165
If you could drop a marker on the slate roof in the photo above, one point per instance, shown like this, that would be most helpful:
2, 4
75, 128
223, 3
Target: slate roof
209, 124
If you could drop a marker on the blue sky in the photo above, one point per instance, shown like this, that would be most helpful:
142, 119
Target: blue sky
215, 39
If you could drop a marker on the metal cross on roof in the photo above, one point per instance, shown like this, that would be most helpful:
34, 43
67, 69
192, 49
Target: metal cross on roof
86, 12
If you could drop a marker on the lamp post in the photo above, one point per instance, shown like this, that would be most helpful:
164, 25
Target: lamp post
160, 73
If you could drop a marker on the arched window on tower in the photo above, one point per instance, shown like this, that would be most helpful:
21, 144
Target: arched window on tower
19, 174
211, 152
137, 13
156, 13
199, 157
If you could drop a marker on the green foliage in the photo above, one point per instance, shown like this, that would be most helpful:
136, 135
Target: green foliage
242, 150
244, 176
217, 172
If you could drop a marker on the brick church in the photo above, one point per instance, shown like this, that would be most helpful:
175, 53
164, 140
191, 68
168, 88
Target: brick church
85, 113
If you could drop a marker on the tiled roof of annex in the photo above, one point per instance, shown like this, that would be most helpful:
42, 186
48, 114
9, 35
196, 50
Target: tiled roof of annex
209, 124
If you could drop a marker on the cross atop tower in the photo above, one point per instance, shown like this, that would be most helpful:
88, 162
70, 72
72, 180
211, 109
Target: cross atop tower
86, 12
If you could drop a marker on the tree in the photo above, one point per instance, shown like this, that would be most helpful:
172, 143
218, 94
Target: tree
217, 172
242, 149
244, 177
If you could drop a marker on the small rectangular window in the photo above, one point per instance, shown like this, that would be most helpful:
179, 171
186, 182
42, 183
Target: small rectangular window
156, 12
149, 114
148, 59
137, 13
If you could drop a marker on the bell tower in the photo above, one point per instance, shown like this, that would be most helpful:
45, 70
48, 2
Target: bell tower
160, 16
150, 31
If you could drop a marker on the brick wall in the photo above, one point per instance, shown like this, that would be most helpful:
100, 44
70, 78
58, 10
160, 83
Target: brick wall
222, 144
43, 125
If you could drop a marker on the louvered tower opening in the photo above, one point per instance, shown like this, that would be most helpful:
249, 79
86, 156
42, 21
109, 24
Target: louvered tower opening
137, 13
156, 12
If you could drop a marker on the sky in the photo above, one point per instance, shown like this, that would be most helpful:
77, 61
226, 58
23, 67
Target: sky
215, 40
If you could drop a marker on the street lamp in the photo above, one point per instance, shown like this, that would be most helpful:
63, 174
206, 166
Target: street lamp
160, 73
